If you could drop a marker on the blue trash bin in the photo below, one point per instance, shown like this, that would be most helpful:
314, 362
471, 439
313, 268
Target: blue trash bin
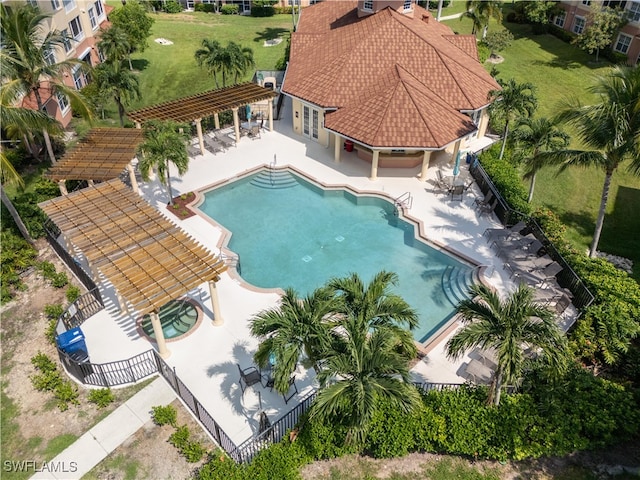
72, 343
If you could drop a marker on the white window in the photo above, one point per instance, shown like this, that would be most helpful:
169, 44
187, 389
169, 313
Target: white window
99, 9
578, 25
79, 79
33, 3
49, 57
76, 29
622, 45
55, 4
63, 101
66, 40
69, 5
407, 5
559, 20
586, 2
634, 12
92, 18
368, 5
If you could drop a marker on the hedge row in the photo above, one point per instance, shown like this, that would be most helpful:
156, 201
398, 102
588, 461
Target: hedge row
577, 412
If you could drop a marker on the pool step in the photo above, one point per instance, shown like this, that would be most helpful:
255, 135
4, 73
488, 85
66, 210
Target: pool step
274, 179
456, 282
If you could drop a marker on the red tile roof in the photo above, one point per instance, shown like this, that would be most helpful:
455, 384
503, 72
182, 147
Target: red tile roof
395, 81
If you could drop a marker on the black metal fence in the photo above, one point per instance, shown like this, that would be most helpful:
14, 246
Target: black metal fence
53, 233
567, 278
81, 309
112, 373
438, 387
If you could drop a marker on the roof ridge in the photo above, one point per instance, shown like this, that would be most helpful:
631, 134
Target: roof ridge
405, 85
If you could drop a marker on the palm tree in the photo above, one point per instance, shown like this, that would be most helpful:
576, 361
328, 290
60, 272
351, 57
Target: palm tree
478, 20
512, 100
376, 306
15, 121
242, 60
510, 327
297, 328
487, 9
114, 45
610, 127
27, 52
164, 144
363, 367
209, 57
120, 83
535, 136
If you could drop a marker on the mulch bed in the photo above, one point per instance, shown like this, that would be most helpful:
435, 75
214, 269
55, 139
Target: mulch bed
179, 207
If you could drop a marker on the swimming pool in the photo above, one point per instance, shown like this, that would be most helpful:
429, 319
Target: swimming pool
290, 232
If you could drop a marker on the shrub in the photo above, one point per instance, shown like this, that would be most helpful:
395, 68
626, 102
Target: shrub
171, 6
483, 52
191, 450
166, 415
281, 460
506, 179
43, 363
563, 35
229, 9
321, 441
282, 10
262, 11
66, 393
16, 255
614, 57
102, 397
73, 293
48, 271
205, 7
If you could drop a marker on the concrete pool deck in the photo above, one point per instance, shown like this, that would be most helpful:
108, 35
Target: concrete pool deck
205, 360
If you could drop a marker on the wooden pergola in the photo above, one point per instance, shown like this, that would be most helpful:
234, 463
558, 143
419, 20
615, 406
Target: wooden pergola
196, 107
102, 155
148, 259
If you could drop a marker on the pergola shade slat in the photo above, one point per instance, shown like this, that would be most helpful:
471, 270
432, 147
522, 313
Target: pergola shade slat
148, 259
206, 104
102, 155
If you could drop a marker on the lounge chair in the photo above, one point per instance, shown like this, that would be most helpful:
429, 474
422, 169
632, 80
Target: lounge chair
193, 150
223, 139
540, 277
480, 203
493, 233
527, 265
441, 185
489, 208
520, 252
249, 376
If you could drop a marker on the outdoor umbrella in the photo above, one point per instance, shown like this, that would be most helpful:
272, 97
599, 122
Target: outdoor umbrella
456, 166
248, 110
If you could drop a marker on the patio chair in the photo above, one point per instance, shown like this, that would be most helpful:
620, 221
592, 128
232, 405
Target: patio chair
493, 233
250, 376
212, 145
488, 208
520, 252
479, 203
540, 277
478, 372
562, 304
441, 185
223, 139
457, 192
193, 151
526, 265
254, 132
292, 391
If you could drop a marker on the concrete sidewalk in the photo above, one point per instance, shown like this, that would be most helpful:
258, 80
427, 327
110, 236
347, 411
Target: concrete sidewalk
103, 438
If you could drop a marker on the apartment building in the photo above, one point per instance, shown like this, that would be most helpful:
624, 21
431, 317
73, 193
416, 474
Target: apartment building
574, 20
81, 21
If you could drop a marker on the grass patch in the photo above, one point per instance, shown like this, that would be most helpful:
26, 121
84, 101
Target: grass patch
58, 444
127, 467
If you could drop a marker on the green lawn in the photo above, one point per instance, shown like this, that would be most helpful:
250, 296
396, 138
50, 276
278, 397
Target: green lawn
170, 71
560, 70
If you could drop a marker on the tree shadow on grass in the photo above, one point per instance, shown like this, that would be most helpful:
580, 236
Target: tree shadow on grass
271, 33
581, 222
563, 63
140, 64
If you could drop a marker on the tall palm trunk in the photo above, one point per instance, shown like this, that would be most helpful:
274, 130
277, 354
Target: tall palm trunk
169, 186
47, 140
130, 64
504, 139
600, 221
531, 187
121, 111
16, 217
495, 388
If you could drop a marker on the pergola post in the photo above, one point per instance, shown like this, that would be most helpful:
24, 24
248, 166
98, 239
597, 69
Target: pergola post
270, 101
199, 130
236, 124
216, 121
63, 187
456, 149
215, 304
159, 334
90, 182
132, 178
337, 148
374, 165
425, 165
121, 303
138, 125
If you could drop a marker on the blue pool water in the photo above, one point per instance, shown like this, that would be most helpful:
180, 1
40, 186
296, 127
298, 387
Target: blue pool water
289, 232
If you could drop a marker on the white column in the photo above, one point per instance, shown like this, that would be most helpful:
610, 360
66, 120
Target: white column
236, 124
425, 165
270, 114
374, 165
63, 187
157, 331
138, 126
90, 182
456, 149
132, 178
216, 121
199, 130
337, 148
215, 304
